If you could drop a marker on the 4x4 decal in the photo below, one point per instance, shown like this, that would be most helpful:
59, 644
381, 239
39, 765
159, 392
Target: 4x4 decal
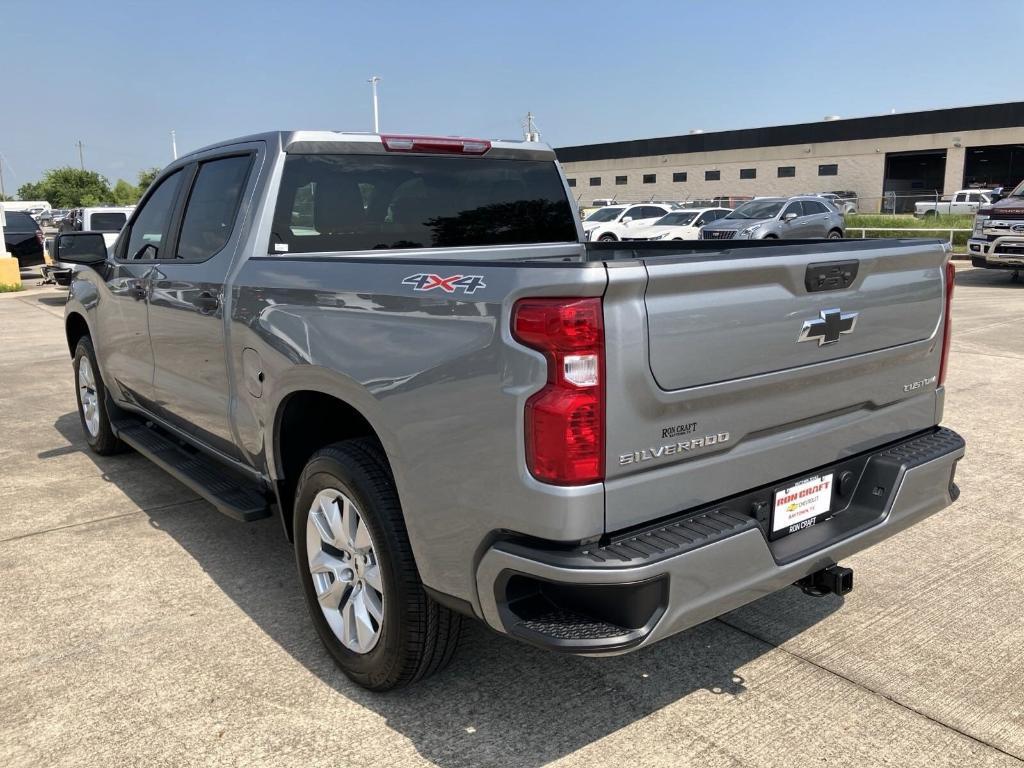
428, 282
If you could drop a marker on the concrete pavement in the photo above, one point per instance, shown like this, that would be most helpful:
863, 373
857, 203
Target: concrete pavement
140, 627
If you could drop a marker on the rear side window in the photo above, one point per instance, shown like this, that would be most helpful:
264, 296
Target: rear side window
20, 222
107, 222
212, 207
367, 202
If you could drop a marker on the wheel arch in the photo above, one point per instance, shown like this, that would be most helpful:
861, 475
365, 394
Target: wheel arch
306, 420
75, 327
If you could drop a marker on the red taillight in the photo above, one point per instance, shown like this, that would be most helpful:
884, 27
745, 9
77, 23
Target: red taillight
435, 145
39, 236
947, 325
565, 419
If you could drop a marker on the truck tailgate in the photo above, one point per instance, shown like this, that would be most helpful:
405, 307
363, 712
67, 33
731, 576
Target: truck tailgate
758, 364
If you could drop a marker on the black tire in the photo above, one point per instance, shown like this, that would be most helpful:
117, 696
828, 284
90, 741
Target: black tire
102, 440
607, 237
770, 237
835, 234
418, 636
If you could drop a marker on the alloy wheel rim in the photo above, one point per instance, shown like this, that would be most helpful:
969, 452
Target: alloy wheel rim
87, 394
344, 569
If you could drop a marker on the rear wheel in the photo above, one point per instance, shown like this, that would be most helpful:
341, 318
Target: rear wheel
835, 234
92, 401
358, 573
607, 237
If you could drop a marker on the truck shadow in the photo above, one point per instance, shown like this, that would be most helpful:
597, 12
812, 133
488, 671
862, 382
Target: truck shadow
500, 702
989, 277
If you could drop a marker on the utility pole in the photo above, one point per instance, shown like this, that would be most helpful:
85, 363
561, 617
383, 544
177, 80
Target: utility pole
174, 146
530, 132
81, 157
376, 114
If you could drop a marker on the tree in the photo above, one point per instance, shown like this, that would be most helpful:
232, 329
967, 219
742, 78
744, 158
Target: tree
68, 188
146, 177
125, 193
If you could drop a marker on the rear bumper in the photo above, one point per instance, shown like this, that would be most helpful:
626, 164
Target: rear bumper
646, 585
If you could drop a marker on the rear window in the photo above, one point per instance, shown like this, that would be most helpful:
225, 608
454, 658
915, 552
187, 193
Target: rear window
107, 222
20, 222
367, 202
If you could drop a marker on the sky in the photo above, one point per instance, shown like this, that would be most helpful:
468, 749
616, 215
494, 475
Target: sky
119, 76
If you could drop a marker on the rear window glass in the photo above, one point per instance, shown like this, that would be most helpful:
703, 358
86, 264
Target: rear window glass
20, 222
107, 222
366, 202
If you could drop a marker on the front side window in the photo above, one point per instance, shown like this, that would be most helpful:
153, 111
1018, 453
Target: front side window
794, 207
150, 225
366, 202
961, 198
212, 206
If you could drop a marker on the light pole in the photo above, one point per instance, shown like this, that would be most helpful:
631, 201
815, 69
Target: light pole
174, 146
376, 114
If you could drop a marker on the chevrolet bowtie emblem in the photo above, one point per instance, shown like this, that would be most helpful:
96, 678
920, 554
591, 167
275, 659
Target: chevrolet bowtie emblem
830, 325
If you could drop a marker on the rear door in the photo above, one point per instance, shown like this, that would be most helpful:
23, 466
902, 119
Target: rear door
748, 376
186, 304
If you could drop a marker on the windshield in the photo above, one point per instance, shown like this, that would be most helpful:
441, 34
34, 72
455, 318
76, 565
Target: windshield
605, 214
679, 219
758, 209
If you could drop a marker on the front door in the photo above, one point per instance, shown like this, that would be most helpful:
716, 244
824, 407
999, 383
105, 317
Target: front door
186, 304
124, 350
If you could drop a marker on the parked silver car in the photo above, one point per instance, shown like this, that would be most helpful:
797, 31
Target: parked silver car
783, 218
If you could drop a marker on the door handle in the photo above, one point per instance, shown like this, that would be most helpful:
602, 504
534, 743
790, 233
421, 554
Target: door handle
206, 302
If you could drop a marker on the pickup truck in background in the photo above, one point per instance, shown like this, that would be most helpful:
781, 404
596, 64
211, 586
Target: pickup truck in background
403, 348
966, 201
997, 241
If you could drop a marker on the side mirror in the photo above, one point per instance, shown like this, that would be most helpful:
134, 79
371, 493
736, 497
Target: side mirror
88, 249
789, 216
626, 219
996, 195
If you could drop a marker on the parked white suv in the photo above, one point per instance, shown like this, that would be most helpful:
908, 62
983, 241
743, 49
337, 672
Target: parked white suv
613, 222
683, 224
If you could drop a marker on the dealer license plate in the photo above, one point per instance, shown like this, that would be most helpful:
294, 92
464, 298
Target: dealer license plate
801, 505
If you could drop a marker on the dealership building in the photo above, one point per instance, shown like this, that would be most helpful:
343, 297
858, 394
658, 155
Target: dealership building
889, 161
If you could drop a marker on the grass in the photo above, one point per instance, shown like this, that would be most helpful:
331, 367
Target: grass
7, 288
907, 224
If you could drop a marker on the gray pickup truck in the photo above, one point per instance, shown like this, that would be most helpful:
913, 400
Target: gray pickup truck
403, 348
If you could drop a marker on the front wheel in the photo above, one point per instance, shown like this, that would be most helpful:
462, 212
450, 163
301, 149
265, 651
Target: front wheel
92, 401
607, 238
358, 574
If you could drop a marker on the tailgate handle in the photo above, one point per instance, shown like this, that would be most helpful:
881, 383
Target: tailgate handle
830, 275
